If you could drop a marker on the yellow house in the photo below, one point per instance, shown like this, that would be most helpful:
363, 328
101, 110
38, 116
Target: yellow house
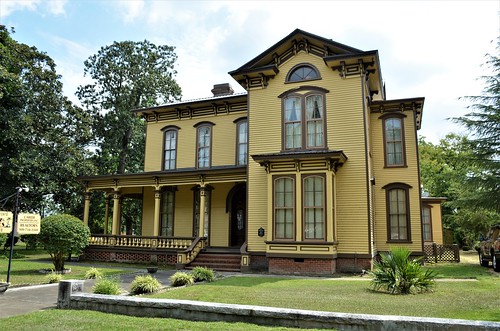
311, 171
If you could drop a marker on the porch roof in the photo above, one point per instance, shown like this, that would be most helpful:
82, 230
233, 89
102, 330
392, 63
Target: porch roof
185, 176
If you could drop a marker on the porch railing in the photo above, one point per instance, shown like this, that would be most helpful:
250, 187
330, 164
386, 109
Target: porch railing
147, 242
190, 253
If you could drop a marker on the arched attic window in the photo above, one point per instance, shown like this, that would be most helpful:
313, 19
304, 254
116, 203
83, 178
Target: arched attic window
302, 72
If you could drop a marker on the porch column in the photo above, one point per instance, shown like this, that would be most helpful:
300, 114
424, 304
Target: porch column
156, 224
201, 230
86, 208
116, 213
106, 215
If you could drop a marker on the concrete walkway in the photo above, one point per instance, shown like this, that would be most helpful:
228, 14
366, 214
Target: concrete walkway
26, 299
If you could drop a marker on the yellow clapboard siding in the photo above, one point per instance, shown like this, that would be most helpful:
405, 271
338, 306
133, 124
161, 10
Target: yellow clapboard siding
219, 222
384, 176
344, 121
223, 141
183, 218
148, 209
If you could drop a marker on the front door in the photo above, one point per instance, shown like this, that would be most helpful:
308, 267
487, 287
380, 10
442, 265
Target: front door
238, 216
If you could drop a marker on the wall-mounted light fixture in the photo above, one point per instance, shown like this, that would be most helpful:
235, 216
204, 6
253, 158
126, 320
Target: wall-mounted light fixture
261, 232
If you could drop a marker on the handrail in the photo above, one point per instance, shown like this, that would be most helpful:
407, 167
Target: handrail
188, 255
146, 242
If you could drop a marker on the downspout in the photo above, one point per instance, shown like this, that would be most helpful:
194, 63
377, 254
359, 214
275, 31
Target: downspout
367, 170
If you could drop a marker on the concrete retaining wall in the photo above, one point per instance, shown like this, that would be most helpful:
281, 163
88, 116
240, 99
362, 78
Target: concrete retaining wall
70, 296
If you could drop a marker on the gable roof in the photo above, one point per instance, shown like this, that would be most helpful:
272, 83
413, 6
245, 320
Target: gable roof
335, 55
328, 47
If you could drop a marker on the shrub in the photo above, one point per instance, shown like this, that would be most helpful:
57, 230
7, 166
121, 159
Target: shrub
3, 239
31, 241
53, 277
62, 235
397, 274
181, 279
466, 248
106, 286
145, 284
203, 274
93, 273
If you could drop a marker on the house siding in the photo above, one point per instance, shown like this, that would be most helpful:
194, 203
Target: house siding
408, 175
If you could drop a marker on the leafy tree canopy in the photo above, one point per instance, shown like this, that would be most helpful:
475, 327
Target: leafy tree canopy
44, 136
483, 124
127, 75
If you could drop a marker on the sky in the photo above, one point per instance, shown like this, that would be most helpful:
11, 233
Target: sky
431, 49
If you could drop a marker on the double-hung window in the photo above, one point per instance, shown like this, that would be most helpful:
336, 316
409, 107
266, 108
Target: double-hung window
170, 147
398, 212
241, 142
204, 144
284, 207
427, 223
167, 212
303, 121
314, 206
394, 145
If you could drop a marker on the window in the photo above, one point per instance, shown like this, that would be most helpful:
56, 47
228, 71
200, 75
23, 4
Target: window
302, 72
167, 213
284, 211
170, 148
314, 207
394, 142
196, 213
203, 144
398, 212
427, 223
242, 142
304, 123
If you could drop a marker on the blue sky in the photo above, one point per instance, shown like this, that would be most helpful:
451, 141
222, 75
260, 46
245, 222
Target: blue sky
433, 49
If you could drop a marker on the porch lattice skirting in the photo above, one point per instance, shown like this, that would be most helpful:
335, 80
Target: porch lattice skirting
441, 253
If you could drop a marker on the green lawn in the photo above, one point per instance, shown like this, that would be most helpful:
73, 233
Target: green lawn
80, 320
463, 290
471, 293
27, 264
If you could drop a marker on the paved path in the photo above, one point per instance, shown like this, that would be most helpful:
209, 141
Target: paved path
26, 299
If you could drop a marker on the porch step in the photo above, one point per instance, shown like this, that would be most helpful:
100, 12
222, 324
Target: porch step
217, 260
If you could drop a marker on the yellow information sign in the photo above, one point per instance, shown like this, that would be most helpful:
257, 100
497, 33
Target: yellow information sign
6, 221
28, 223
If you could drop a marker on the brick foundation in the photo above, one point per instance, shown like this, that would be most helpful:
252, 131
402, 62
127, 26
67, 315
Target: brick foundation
130, 257
301, 266
353, 265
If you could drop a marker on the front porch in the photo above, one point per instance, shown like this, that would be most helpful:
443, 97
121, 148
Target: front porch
180, 251
181, 213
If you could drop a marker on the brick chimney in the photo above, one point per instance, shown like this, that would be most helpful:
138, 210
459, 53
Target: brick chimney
222, 89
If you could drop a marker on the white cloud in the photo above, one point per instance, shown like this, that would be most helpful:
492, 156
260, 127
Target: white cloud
432, 49
53, 7
7, 7
130, 10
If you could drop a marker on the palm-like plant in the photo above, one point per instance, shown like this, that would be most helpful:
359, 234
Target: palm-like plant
397, 274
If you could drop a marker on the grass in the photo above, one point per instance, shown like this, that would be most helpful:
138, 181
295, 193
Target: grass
81, 320
26, 266
463, 291
460, 298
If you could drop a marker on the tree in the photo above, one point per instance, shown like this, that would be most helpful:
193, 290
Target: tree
446, 170
127, 75
483, 123
62, 235
44, 136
